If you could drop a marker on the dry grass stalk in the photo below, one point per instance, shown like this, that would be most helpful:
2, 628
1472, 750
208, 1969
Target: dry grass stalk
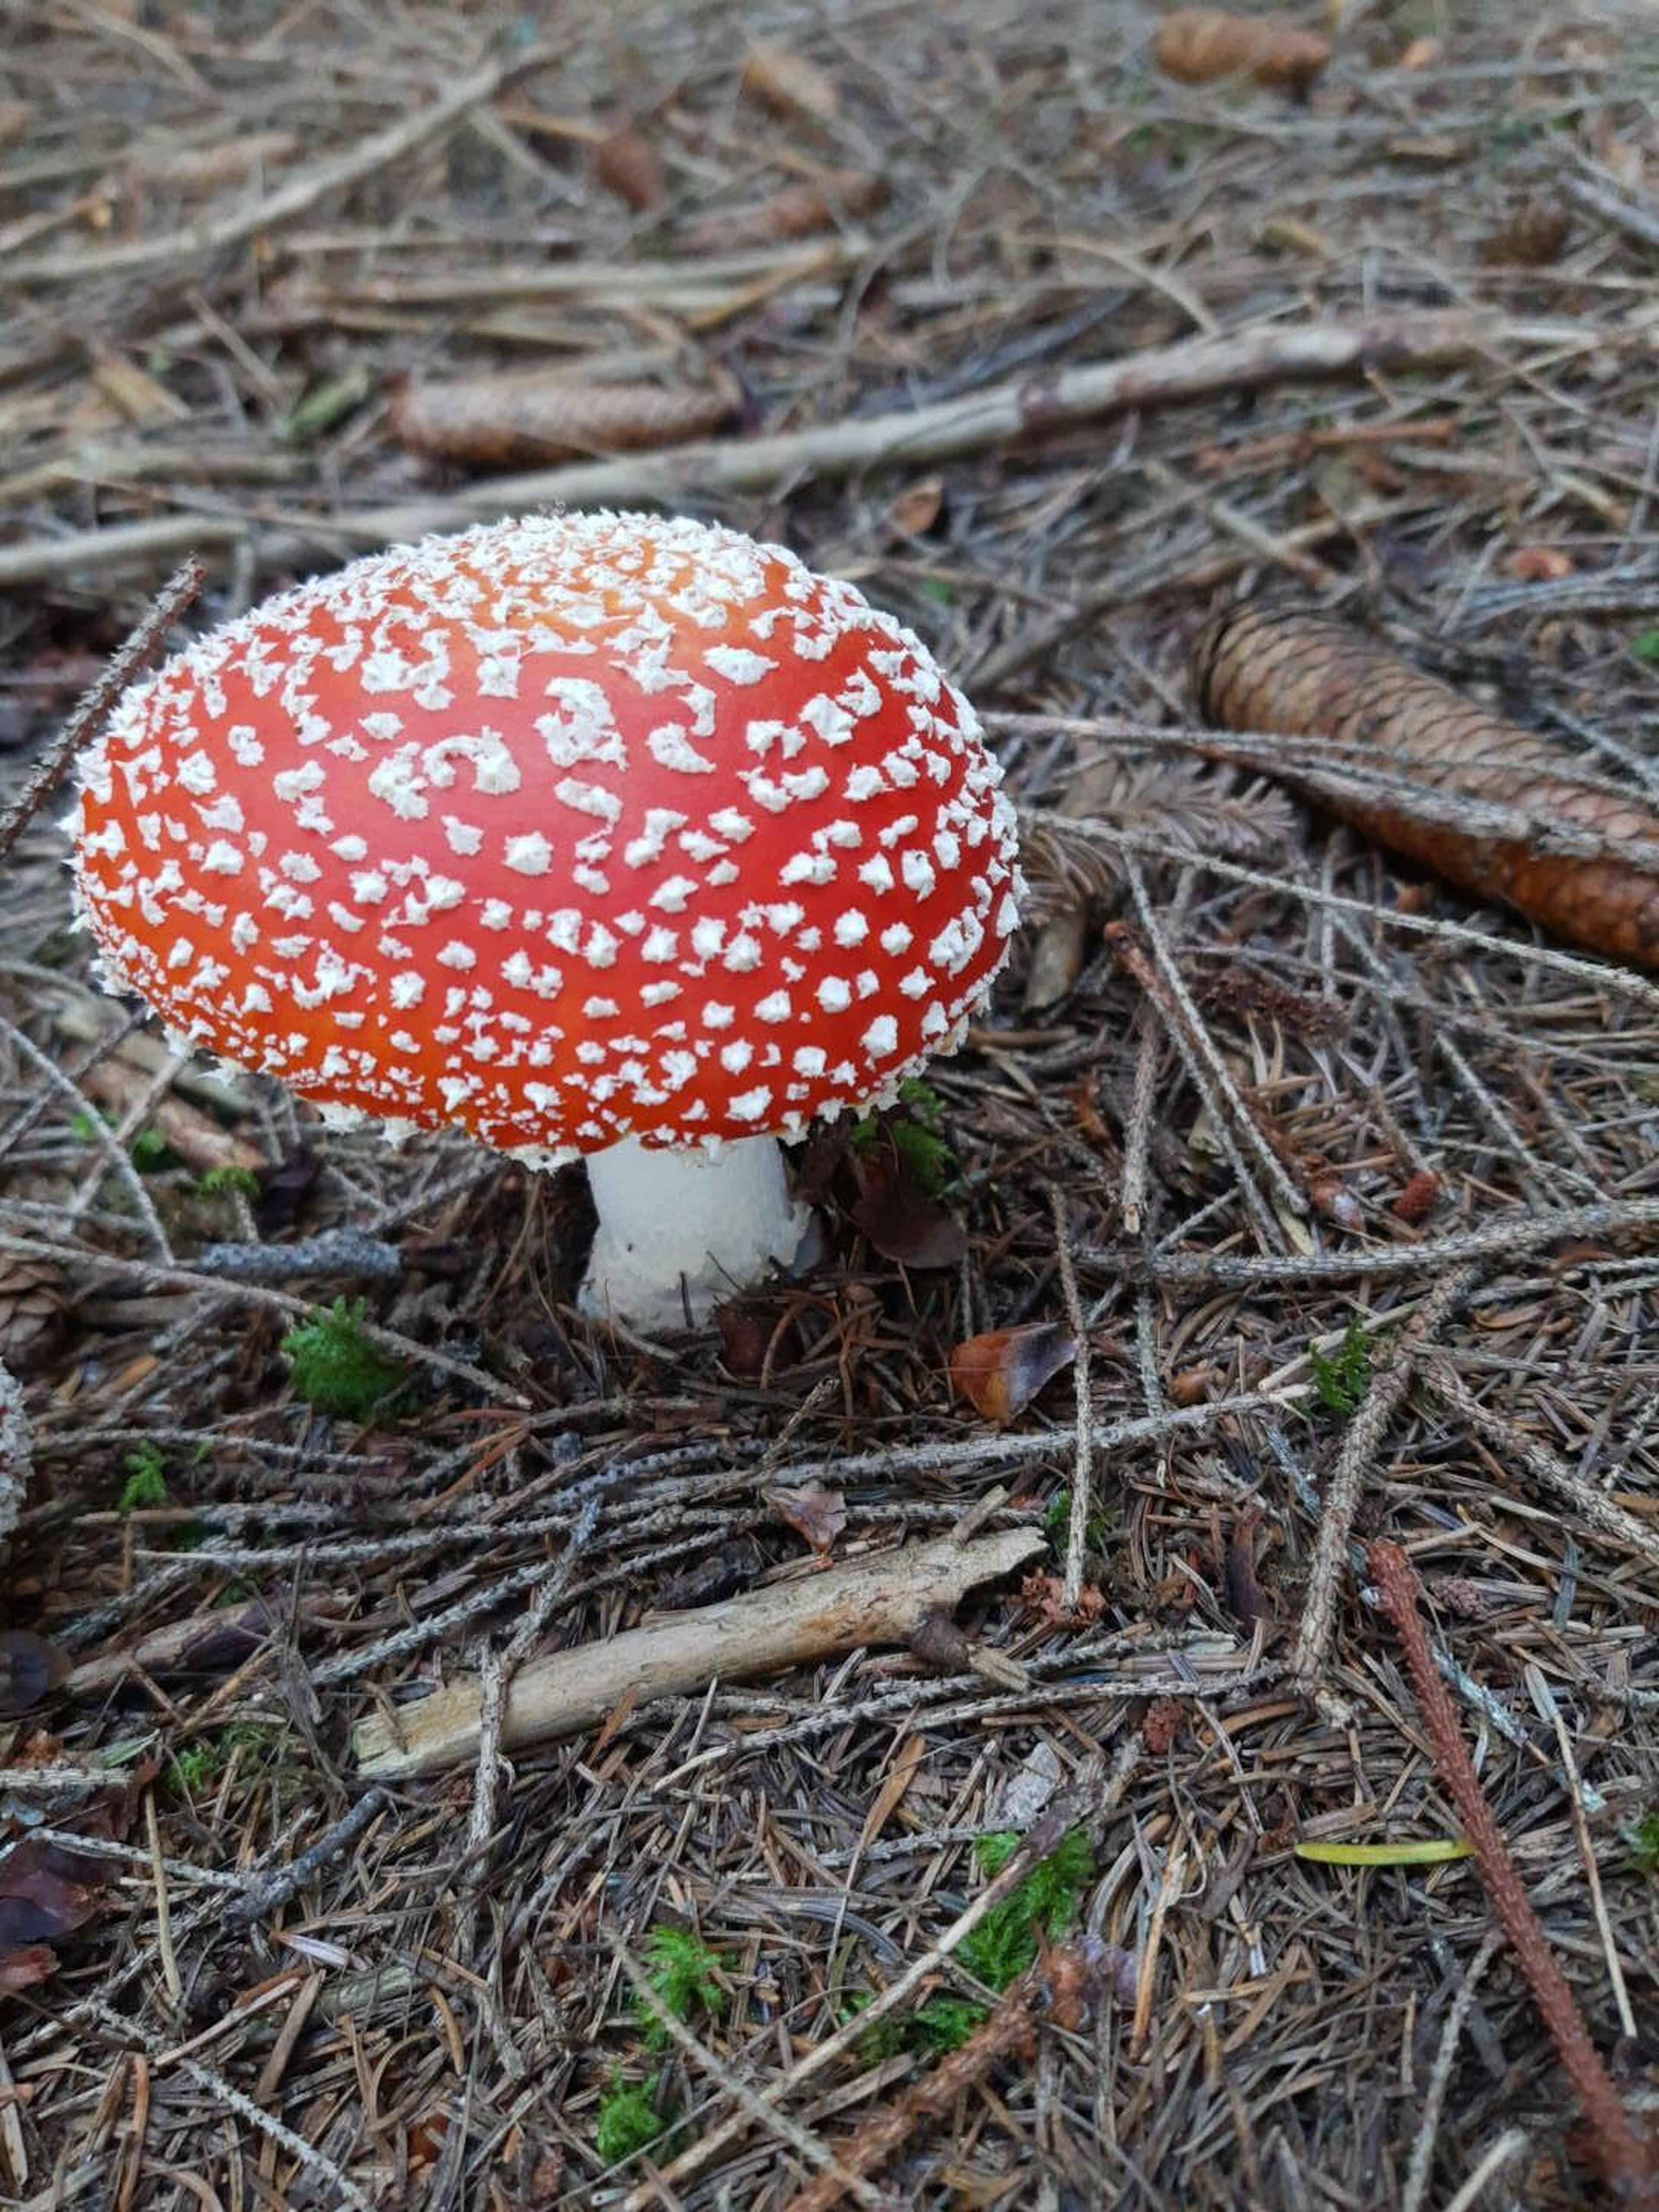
1405, 734
1625, 2159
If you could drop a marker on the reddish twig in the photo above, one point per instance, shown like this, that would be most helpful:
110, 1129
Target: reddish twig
1055, 1988
1625, 2161
169, 602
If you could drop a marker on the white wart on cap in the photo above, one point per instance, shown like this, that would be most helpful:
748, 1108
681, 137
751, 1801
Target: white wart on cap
571, 830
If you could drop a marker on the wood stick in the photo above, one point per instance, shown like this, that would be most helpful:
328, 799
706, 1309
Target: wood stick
879, 1599
951, 429
295, 197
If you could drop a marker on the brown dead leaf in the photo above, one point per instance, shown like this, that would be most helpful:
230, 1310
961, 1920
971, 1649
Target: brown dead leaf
1245, 1595
1044, 1597
814, 1512
1000, 1372
30, 1669
23, 1969
904, 1224
1196, 45
1539, 564
1192, 1385
1423, 53
45, 1893
531, 416
786, 84
744, 1335
916, 509
629, 165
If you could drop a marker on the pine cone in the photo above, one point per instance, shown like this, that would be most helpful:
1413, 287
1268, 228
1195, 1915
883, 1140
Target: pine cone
31, 1310
1531, 232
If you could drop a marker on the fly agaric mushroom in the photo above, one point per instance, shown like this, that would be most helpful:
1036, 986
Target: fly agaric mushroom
586, 833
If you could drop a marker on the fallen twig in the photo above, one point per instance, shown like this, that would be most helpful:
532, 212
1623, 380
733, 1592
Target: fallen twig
1520, 1231
169, 602
979, 423
266, 1893
265, 214
1607, 1518
1360, 1443
1625, 2160
345, 1251
877, 1599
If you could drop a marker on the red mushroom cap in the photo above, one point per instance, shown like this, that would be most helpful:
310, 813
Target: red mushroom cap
568, 829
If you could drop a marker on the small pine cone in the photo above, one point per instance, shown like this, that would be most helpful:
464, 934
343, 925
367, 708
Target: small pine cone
1531, 232
1417, 1200
31, 1310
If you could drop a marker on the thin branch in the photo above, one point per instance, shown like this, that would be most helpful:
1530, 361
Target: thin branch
1607, 1518
265, 1893
1360, 1443
296, 197
878, 1598
1083, 1459
978, 422
1625, 2162
170, 602
1517, 1232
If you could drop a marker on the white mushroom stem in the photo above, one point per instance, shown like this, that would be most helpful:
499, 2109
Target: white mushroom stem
681, 1226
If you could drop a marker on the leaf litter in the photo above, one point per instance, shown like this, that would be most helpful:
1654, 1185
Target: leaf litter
1002, 204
